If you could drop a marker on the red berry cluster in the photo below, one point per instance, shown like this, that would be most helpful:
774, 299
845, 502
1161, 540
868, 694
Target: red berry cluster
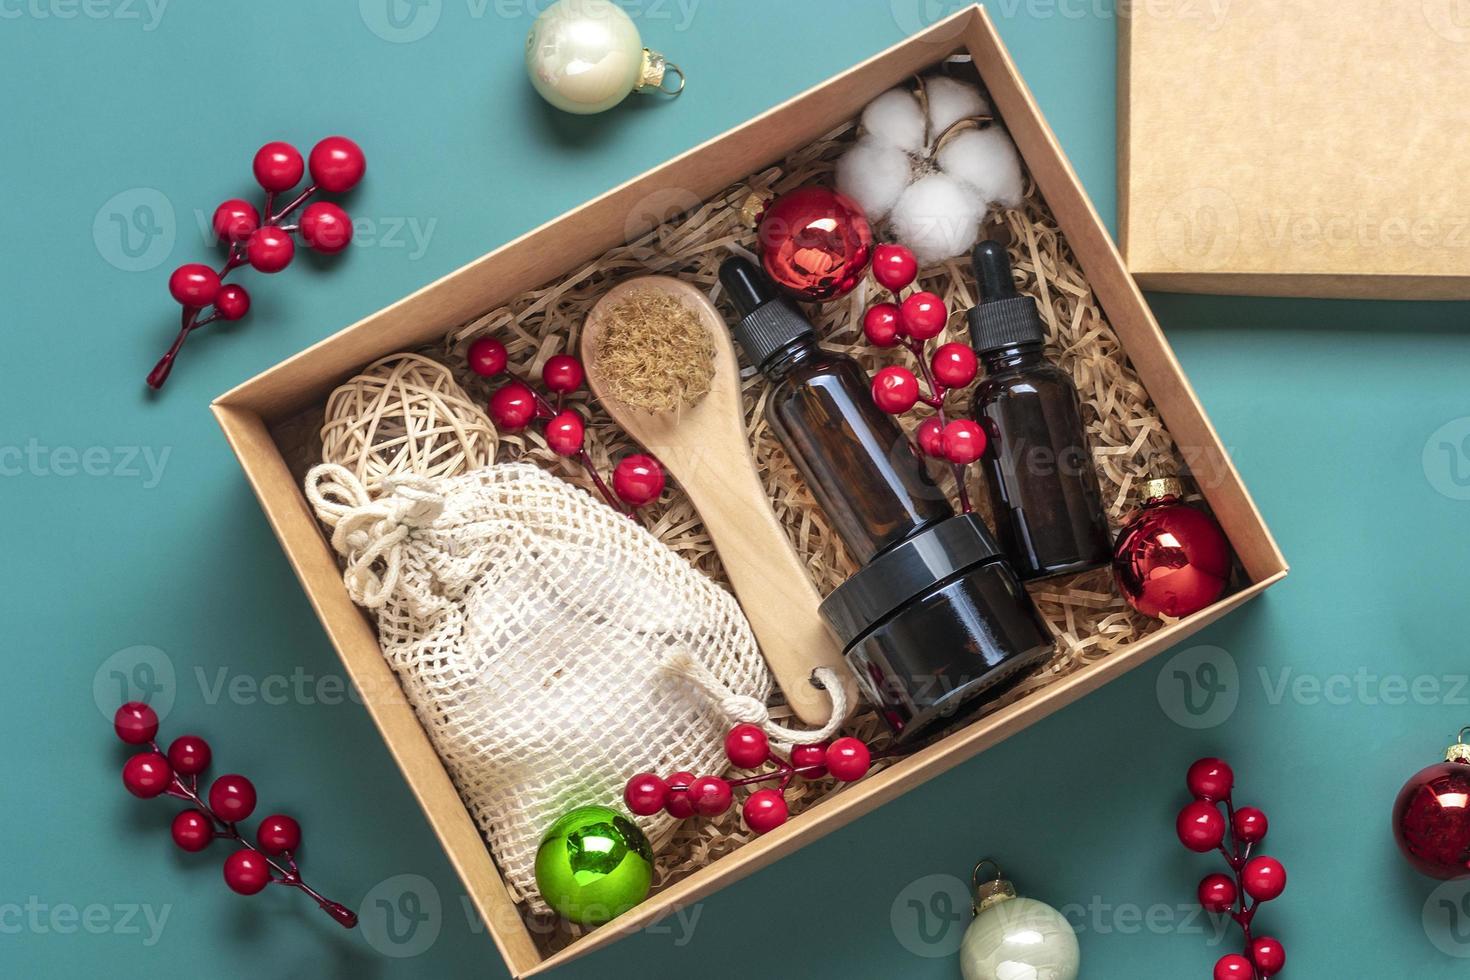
1202, 827
637, 480
911, 323
262, 238
231, 799
683, 795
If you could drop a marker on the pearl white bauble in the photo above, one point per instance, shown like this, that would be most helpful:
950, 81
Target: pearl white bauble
584, 56
1020, 939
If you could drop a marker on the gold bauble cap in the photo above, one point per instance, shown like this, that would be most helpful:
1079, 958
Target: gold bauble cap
1459, 752
652, 73
992, 891
1161, 487
753, 208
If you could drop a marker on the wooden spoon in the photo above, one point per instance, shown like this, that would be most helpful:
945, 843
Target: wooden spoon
704, 446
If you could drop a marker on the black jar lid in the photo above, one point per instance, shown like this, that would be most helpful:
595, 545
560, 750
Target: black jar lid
908, 569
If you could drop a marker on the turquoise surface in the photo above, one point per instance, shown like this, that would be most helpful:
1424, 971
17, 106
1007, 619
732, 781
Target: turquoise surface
131, 538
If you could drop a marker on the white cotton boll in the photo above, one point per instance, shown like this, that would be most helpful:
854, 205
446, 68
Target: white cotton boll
896, 119
950, 101
987, 160
873, 174
938, 217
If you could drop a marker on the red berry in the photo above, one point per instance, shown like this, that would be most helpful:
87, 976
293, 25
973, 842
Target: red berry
881, 324
270, 249
710, 795
1263, 878
848, 759
1200, 827
135, 723
235, 220
1217, 893
147, 774
1210, 779
232, 302
747, 746
247, 872
487, 357
563, 374
278, 833
1269, 954
931, 437
638, 480
895, 389
189, 754
326, 227
193, 284
810, 755
1233, 966
645, 794
512, 406
677, 803
764, 811
963, 442
232, 798
565, 432
1250, 825
894, 266
337, 164
954, 365
192, 830
923, 315
278, 166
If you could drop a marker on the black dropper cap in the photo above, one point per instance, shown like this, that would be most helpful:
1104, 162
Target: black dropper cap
1003, 317
768, 321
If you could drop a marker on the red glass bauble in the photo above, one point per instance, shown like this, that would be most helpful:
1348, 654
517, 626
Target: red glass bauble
1431, 818
1171, 559
815, 243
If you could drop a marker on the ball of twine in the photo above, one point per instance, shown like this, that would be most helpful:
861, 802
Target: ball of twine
405, 414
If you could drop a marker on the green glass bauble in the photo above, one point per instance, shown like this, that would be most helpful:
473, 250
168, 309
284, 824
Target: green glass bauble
593, 865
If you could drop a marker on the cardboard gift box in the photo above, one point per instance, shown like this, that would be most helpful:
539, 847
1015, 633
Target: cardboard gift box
257, 418
1308, 148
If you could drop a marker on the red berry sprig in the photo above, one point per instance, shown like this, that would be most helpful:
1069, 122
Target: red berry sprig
911, 323
231, 799
262, 238
682, 795
1253, 879
637, 480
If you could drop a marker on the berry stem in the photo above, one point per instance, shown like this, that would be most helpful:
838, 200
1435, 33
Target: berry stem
286, 211
1236, 857
785, 771
936, 401
545, 410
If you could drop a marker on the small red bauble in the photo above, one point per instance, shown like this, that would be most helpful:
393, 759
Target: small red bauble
895, 389
930, 435
645, 794
962, 442
1269, 955
881, 324
814, 242
676, 801
189, 754
565, 432
135, 723
232, 302
638, 480
747, 746
147, 774
1233, 966
326, 227
192, 830
247, 872
278, 166
710, 795
562, 373
1171, 559
235, 220
270, 249
512, 406
894, 266
1250, 825
1217, 893
764, 811
1210, 779
923, 315
848, 759
278, 834
232, 798
1263, 878
954, 365
487, 357
803, 756
1431, 820
193, 284
337, 164
1200, 827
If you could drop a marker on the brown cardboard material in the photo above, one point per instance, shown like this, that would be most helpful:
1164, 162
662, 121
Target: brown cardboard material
1308, 148
248, 412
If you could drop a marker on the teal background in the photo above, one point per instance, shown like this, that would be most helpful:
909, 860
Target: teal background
1328, 408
